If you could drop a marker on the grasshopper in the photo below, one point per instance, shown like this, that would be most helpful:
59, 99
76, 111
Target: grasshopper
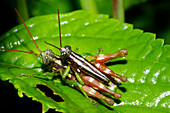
88, 74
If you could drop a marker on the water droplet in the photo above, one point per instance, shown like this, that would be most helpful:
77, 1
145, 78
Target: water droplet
36, 37
146, 71
15, 30
86, 23
15, 43
132, 80
68, 34
125, 27
65, 22
31, 25
142, 79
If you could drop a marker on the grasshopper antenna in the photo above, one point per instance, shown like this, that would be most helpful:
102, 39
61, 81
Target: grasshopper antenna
59, 28
29, 34
20, 51
27, 29
52, 45
59, 34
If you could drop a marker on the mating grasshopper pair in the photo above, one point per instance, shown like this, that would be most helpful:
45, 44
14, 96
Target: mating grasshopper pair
89, 75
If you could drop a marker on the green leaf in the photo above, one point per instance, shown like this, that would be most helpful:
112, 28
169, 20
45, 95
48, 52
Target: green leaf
146, 66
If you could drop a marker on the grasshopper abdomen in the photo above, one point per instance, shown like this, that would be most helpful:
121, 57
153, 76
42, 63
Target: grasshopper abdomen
87, 67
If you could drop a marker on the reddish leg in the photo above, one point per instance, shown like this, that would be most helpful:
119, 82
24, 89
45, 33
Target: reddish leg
99, 86
104, 58
92, 83
93, 93
103, 68
101, 59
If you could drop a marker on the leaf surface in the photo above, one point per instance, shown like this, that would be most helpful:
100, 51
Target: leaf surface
146, 66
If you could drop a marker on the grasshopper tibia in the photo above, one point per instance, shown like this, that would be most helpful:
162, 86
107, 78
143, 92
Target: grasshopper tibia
104, 58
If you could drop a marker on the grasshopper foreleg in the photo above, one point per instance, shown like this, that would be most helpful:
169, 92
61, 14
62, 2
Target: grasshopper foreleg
66, 72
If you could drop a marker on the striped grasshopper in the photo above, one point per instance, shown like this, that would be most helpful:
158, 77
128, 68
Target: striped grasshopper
88, 74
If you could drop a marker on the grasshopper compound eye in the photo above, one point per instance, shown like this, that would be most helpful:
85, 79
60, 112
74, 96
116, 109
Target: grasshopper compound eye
68, 48
48, 51
64, 56
46, 60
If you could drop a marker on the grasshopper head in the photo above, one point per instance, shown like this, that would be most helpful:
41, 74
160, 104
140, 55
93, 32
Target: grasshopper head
47, 56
